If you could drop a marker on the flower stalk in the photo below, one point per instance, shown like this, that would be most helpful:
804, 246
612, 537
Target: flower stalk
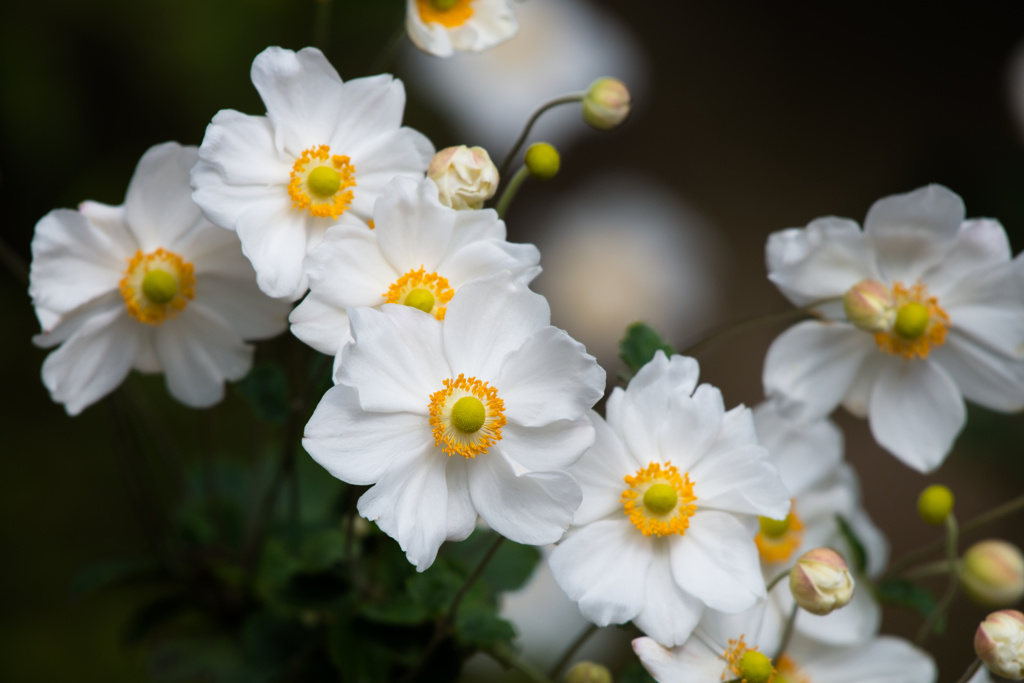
952, 541
517, 145
510, 190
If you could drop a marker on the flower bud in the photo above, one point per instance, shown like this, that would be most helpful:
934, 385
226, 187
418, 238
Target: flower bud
588, 672
993, 573
999, 642
465, 176
606, 104
543, 161
870, 306
820, 581
934, 504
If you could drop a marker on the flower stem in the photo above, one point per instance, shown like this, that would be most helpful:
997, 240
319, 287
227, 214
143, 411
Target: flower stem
322, 24
510, 157
750, 323
572, 649
382, 62
971, 670
926, 571
775, 581
787, 632
510, 190
952, 540
501, 653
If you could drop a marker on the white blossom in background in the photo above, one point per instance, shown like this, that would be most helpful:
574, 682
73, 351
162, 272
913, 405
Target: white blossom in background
809, 459
150, 285
482, 415
442, 27
419, 254
1015, 87
952, 328
672, 491
325, 149
562, 46
655, 259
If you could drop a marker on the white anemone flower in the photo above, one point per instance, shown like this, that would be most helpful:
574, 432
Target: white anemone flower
150, 285
419, 254
441, 27
716, 652
672, 491
942, 319
809, 460
482, 415
325, 149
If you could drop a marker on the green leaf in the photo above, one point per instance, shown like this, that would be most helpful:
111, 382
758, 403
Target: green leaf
906, 593
478, 624
640, 344
635, 673
401, 609
266, 389
859, 554
116, 573
435, 588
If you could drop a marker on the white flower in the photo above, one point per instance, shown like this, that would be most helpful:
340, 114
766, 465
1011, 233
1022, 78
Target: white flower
419, 254
441, 27
465, 176
958, 332
672, 490
325, 149
809, 461
150, 285
479, 415
717, 647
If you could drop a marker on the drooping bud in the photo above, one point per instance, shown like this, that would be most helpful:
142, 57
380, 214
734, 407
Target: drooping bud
465, 177
606, 104
821, 582
588, 672
543, 161
755, 667
993, 573
870, 306
999, 642
934, 504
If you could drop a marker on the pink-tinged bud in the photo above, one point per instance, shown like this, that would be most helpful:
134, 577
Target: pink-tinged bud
821, 582
465, 177
606, 104
588, 672
870, 306
993, 573
999, 642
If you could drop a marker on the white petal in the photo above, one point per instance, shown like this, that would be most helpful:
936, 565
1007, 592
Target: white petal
534, 508
602, 567
737, 430
474, 226
858, 396
461, 513
274, 237
980, 244
855, 623
348, 269
320, 324
159, 207
489, 319
886, 659
413, 229
912, 232
670, 613
742, 481
811, 366
984, 376
600, 474
988, 307
692, 426
357, 446
403, 152
146, 358
250, 312
716, 561
555, 446
916, 413
111, 222
646, 404
483, 258
803, 454
238, 154
693, 662
410, 504
432, 37
373, 106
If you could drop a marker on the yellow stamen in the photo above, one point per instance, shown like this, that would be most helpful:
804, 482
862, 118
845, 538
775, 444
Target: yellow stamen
739, 657
665, 511
778, 540
448, 13
328, 178
157, 286
923, 326
413, 288
466, 427
787, 671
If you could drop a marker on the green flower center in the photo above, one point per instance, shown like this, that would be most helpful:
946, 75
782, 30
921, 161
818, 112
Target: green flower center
468, 414
423, 300
443, 5
323, 181
755, 667
159, 287
660, 499
911, 320
775, 528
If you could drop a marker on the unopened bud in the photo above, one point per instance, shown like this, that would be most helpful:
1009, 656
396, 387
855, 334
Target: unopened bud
935, 503
870, 306
820, 581
465, 176
588, 672
543, 161
999, 642
993, 573
606, 104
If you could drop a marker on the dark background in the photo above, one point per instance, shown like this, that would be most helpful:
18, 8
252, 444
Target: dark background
764, 115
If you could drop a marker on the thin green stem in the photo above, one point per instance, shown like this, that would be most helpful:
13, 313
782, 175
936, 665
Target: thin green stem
750, 323
971, 670
787, 633
510, 190
322, 24
952, 552
517, 145
504, 655
774, 582
564, 660
927, 571
382, 62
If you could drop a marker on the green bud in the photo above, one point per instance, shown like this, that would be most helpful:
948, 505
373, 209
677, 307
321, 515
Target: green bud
543, 161
993, 573
606, 104
934, 504
869, 306
588, 672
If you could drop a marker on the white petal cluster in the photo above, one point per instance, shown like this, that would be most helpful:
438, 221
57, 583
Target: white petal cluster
88, 267
442, 27
961, 271
665, 430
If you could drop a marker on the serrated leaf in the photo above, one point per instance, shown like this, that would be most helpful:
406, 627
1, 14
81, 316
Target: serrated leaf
906, 593
639, 345
478, 624
266, 390
860, 555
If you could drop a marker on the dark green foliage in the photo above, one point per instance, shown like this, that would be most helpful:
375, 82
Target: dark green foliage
906, 593
635, 673
266, 389
640, 344
859, 556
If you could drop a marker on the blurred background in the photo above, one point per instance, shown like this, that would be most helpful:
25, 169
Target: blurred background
750, 117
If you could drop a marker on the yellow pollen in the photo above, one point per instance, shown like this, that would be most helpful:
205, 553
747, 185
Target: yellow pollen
921, 324
413, 288
778, 540
448, 13
746, 663
371, 224
650, 512
328, 178
466, 427
157, 286
787, 671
